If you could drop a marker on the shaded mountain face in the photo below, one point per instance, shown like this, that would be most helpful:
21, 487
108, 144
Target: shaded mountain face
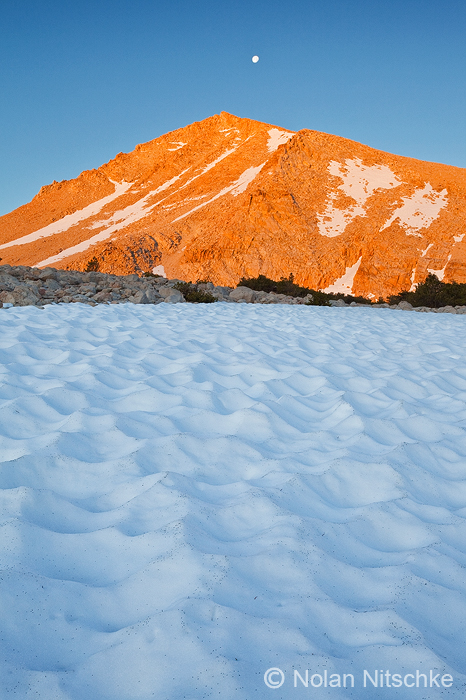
229, 197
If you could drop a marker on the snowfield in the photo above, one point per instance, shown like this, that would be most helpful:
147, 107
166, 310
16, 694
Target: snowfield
192, 495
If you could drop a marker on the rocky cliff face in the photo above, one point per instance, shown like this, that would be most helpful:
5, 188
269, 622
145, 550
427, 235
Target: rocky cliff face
228, 197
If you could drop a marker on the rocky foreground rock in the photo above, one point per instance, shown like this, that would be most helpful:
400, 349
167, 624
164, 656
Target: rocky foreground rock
25, 286
31, 286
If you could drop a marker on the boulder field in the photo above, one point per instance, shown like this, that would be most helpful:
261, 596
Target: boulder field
30, 286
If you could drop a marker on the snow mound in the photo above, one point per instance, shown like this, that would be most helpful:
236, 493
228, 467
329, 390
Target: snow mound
191, 495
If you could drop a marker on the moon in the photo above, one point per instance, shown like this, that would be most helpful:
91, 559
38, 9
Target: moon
255, 59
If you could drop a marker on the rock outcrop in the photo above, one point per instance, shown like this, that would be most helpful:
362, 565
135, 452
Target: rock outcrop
229, 197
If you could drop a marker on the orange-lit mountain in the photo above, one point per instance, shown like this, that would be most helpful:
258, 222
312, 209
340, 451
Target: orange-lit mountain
228, 197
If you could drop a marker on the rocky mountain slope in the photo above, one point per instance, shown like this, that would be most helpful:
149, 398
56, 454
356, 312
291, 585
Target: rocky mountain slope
229, 197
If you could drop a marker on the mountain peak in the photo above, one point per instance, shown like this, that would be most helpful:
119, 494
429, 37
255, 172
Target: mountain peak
229, 197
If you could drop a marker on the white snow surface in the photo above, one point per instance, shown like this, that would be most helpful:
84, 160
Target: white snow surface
359, 182
71, 219
344, 283
277, 137
193, 494
419, 210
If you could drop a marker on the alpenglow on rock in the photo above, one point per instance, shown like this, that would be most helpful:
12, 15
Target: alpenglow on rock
229, 197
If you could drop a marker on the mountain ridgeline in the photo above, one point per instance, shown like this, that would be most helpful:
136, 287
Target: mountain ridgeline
228, 198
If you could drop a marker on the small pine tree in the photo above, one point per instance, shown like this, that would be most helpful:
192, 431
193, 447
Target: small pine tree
194, 295
433, 293
92, 265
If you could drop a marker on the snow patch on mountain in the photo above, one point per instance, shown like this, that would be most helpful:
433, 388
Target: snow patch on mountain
344, 283
245, 179
211, 165
359, 182
440, 273
71, 220
235, 189
424, 252
419, 210
178, 145
117, 221
277, 137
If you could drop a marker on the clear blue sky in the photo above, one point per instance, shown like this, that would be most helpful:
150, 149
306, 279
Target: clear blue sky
82, 80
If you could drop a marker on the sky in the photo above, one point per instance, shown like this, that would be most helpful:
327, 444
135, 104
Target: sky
82, 81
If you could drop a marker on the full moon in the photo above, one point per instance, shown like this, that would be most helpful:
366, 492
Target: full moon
255, 59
